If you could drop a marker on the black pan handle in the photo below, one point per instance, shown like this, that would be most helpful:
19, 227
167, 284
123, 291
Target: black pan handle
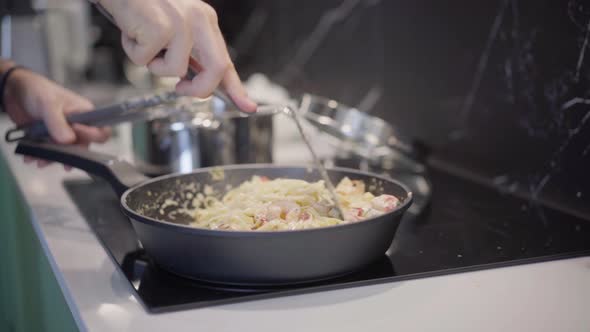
120, 174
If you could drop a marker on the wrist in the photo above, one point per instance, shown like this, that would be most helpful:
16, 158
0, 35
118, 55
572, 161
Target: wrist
9, 87
12, 90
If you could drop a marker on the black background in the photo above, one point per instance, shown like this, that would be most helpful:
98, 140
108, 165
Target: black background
425, 55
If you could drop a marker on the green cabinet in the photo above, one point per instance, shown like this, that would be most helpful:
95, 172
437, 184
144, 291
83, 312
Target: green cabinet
30, 297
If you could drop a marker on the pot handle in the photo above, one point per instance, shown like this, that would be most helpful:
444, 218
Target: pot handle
120, 174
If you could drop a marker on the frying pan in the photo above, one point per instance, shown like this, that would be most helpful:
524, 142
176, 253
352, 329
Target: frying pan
243, 258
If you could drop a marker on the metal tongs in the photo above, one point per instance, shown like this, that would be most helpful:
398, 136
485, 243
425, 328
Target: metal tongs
132, 110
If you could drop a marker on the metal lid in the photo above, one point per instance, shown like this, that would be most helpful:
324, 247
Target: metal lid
364, 134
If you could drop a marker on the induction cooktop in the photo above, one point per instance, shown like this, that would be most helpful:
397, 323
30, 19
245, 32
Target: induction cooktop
462, 226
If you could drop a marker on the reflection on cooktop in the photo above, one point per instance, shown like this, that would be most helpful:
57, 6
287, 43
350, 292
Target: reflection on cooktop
464, 227
159, 288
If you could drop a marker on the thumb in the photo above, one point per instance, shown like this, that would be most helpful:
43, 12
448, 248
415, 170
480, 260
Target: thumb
58, 127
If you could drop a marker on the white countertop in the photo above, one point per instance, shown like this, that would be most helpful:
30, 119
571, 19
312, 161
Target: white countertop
553, 296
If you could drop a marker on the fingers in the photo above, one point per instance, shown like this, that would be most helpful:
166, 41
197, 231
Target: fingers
236, 91
84, 133
176, 59
142, 47
211, 53
183, 29
147, 29
40, 162
60, 130
75, 102
50, 102
231, 80
210, 77
203, 84
56, 123
212, 58
139, 54
88, 134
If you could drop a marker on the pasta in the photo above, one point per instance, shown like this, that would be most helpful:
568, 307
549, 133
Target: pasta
261, 204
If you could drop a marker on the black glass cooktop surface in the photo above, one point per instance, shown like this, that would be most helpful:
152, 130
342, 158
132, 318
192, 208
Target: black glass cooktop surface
464, 227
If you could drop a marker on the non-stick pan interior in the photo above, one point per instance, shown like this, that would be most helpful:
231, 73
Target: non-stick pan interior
170, 198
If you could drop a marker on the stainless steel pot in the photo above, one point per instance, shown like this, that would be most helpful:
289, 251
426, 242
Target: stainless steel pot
206, 133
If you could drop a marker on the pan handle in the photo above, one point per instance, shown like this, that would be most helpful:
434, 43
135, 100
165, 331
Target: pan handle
120, 174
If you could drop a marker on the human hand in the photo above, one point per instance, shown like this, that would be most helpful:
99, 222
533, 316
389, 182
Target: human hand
189, 33
29, 96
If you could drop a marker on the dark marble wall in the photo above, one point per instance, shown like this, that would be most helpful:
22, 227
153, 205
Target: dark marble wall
496, 87
330, 47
